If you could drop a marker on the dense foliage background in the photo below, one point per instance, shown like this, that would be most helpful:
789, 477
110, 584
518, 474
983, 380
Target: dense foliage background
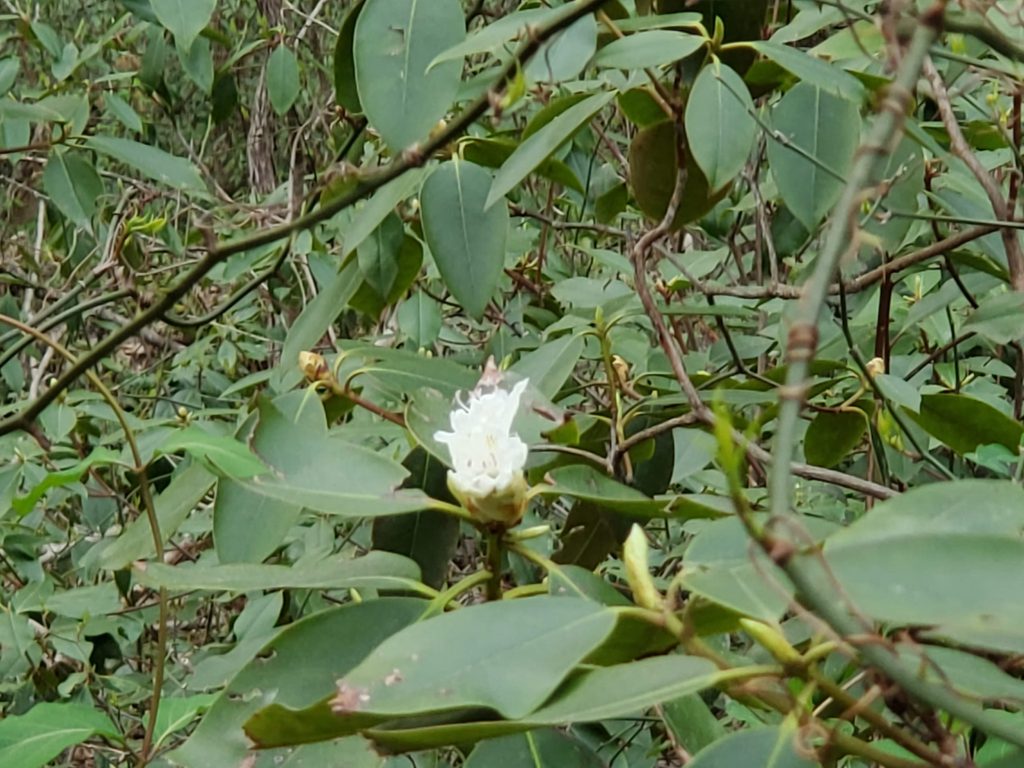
759, 261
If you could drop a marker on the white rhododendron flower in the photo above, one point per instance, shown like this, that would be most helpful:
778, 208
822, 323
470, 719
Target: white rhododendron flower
487, 457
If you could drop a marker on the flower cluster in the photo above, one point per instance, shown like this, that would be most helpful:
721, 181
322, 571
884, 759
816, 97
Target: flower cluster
487, 457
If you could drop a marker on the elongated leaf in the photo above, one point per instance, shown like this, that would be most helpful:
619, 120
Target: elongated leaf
173, 505
831, 436
345, 90
466, 239
499, 32
445, 663
772, 747
536, 149
74, 186
282, 79
540, 748
963, 423
176, 172
719, 123
222, 454
999, 318
395, 41
376, 570
819, 136
46, 730
328, 475
60, 477
648, 49
941, 553
582, 481
811, 70
297, 668
185, 19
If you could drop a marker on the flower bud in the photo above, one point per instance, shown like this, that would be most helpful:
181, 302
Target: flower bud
634, 555
875, 366
313, 366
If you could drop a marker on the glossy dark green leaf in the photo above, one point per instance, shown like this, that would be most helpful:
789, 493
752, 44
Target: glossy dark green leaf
466, 239
963, 423
346, 92
832, 435
427, 537
378, 255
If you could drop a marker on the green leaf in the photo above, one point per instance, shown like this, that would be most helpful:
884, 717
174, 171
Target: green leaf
378, 255
692, 722
819, 134
197, 61
466, 238
384, 201
964, 423
648, 49
607, 692
495, 35
46, 730
999, 318
375, 570
831, 436
178, 712
123, 111
61, 477
74, 186
535, 749
565, 55
176, 172
811, 70
447, 663
622, 690
297, 668
582, 481
946, 553
427, 537
175, 502
9, 68
282, 79
538, 147
720, 127
772, 747
221, 454
327, 475
184, 19
346, 93
550, 365
395, 41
